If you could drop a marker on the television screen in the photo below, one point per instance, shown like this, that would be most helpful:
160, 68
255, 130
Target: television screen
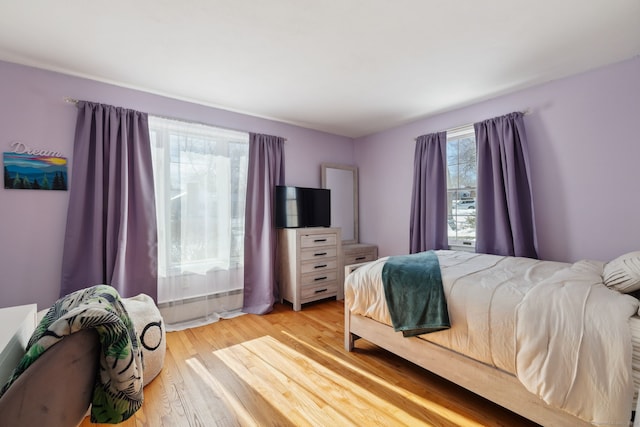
297, 207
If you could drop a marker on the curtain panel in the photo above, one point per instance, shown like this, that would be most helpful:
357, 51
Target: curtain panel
111, 228
200, 175
266, 170
505, 217
428, 223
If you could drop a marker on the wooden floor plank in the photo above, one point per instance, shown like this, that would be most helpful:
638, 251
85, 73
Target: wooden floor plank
289, 368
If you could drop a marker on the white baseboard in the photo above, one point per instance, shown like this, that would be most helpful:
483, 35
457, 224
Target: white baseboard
197, 311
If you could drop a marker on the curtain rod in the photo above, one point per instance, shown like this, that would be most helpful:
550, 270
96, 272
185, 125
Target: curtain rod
457, 128
75, 102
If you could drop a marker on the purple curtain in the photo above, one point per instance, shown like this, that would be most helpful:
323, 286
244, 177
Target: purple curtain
505, 220
266, 170
111, 234
428, 228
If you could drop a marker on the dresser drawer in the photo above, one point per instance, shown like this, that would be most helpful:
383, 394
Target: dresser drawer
319, 266
358, 258
318, 253
324, 290
359, 252
319, 277
317, 240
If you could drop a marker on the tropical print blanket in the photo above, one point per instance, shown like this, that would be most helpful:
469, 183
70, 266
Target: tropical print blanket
117, 393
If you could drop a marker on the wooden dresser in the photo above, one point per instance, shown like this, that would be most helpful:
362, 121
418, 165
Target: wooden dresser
310, 266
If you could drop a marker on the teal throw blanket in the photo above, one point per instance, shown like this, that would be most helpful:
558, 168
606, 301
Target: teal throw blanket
414, 293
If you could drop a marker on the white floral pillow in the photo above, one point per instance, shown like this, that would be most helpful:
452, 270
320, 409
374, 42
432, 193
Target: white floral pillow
623, 273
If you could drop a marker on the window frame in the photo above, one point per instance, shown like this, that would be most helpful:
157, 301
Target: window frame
455, 135
192, 133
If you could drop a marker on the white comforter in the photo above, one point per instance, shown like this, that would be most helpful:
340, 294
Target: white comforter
553, 325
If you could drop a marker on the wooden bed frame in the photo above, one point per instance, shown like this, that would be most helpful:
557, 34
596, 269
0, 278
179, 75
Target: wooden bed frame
489, 382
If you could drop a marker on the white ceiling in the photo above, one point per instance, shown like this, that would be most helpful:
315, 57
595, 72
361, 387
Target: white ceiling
349, 67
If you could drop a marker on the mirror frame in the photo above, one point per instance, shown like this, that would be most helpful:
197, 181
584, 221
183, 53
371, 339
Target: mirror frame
324, 167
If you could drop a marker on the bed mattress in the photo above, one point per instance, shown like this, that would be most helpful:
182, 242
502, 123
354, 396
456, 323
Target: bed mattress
634, 326
471, 282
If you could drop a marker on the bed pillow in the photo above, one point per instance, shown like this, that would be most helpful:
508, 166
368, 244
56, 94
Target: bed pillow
623, 273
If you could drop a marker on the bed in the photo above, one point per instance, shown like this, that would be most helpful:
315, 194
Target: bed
558, 343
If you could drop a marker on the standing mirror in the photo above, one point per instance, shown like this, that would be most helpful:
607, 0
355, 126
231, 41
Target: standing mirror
342, 180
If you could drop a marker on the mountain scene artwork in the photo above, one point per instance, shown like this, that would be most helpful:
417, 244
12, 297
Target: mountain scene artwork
34, 172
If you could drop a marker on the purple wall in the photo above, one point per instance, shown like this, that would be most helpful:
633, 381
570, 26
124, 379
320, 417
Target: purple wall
583, 141
33, 111
584, 145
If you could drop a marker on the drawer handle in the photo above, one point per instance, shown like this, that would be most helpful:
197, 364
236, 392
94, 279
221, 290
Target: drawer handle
320, 254
320, 266
317, 279
319, 240
360, 258
319, 291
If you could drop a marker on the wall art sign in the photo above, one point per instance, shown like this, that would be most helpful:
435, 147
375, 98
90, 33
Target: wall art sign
26, 171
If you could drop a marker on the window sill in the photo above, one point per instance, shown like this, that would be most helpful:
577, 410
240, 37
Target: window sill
461, 247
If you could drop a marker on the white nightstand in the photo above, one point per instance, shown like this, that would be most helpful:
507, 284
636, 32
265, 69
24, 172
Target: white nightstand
18, 324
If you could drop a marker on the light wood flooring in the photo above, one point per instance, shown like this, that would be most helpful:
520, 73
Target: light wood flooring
290, 369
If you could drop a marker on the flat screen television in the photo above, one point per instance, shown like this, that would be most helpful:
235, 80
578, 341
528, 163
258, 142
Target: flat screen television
297, 207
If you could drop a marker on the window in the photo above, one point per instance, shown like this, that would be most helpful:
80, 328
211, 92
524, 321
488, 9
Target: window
200, 175
461, 186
